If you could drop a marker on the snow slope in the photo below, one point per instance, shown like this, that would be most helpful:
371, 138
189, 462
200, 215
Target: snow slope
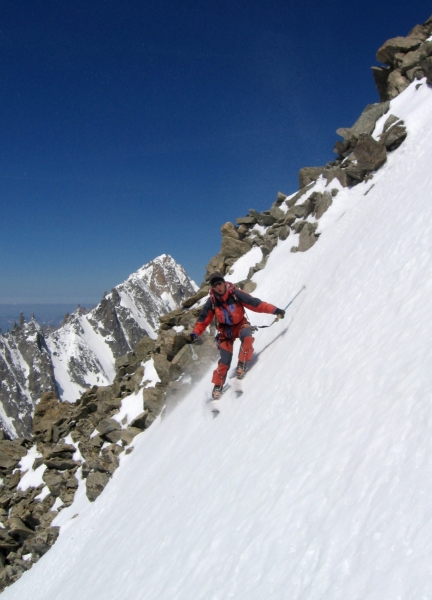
317, 482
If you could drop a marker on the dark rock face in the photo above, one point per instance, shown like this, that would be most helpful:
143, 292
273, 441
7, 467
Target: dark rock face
26, 372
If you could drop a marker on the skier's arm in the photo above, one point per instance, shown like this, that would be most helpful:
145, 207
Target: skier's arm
204, 318
255, 304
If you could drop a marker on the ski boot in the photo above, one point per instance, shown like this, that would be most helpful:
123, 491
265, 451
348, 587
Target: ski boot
217, 392
241, 370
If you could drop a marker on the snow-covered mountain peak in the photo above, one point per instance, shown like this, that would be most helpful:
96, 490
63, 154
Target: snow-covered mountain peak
85, 348
82, 352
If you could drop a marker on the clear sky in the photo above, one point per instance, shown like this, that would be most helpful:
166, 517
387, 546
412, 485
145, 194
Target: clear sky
131, 129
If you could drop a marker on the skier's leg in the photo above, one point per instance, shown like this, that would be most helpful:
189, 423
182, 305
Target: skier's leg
246, 350
219, 374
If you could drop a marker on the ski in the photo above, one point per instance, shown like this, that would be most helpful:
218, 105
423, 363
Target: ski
215, 404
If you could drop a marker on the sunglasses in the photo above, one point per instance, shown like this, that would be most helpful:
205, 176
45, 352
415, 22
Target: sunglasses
216, 283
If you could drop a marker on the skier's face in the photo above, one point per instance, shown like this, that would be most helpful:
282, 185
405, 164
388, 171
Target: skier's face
219, 287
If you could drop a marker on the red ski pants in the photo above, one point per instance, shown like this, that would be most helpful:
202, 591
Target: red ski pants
225, 344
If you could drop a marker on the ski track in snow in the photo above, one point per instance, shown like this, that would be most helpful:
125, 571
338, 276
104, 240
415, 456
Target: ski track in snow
316, 483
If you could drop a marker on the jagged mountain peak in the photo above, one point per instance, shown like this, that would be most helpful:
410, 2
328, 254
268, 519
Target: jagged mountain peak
82, 351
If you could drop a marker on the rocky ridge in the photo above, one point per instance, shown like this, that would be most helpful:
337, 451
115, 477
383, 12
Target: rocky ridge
26, 371
83, 350
80, 443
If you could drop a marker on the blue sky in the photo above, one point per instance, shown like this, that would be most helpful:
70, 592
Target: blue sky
131, 129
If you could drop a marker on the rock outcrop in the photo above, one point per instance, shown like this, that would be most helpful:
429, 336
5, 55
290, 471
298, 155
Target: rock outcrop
407, 59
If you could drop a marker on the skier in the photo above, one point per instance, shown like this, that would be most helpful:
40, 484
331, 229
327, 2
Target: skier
227, 303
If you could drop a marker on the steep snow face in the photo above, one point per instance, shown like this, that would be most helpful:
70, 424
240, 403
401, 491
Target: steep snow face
84, 350
25, 374
317, 482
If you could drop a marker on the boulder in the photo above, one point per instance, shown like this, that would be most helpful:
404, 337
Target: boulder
60, 464
40, 543
95, 484
113, 436
229, 230
415, 73
280, 198
10, 454
426, 65
5, 498
215, 264
143, 348
413, 59
232, 248
297, 227
53, 480
366, 122
201, 293
170, 342
127, 435
309, 175
107, 425
139, 421
284, 232
380, 75
394, 133
307, 237
162, 366
339, 174
289, 219
291, 201
397, 83
342, 147
248, 220
386, 54
48, 412
59, 451
298, 211
123, 361
369, 153
322, 203
154, 399
276, 213
18, 529
421, 32
355, 173
7, 542
249, 287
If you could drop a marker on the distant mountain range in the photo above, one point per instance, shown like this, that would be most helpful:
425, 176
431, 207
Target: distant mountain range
47, 315
83, 350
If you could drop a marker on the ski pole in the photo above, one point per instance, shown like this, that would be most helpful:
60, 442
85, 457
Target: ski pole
298, 293
256, 327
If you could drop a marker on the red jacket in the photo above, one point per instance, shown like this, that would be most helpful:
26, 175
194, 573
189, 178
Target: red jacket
229, 309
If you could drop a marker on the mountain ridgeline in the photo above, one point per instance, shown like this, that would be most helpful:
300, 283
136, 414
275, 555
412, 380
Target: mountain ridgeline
82, 352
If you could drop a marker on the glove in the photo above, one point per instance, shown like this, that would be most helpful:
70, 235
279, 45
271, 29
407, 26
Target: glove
191, 338
280, 313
